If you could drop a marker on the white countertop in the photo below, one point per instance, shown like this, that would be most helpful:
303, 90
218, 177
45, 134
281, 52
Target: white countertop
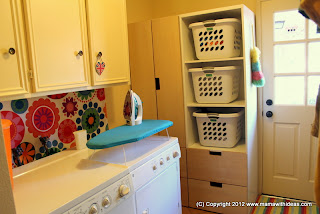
47, 184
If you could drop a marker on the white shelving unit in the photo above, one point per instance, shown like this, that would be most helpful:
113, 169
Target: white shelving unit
247, 149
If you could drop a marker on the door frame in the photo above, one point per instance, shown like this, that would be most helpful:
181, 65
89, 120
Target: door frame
260, 98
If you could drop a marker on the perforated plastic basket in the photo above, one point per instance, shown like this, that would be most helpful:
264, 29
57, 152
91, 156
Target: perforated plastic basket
222, 127
219, 38
216, 84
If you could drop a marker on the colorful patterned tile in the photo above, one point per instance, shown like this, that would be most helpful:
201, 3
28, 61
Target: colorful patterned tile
54, 116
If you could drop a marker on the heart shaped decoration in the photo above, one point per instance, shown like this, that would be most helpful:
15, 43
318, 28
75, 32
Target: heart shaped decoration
100, 66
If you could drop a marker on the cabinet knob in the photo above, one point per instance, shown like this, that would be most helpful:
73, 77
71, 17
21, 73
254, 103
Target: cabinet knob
80, 53
99, 54
12, 51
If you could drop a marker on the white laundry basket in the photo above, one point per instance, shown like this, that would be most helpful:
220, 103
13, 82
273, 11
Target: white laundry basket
216, 84
220, 127
219, 38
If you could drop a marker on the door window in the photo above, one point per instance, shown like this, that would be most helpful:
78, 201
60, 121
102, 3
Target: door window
296, 50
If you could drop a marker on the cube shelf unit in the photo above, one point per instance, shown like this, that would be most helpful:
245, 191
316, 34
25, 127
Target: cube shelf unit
243, 158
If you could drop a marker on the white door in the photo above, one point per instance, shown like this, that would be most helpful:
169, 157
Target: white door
291, 64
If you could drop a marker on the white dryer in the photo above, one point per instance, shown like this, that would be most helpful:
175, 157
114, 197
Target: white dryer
153, 164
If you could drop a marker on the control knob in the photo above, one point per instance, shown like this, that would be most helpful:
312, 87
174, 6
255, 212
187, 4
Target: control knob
175, 154
124, 190
93, 209
168, 158
106, 202
161, 162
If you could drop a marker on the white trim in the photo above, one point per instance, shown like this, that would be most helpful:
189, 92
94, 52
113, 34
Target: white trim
296, 41
295, 74
260, 98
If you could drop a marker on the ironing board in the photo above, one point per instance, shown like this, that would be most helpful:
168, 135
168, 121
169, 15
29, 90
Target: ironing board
127, 134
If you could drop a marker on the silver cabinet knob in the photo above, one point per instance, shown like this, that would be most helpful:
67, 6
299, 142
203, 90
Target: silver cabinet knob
12, 51
80, 53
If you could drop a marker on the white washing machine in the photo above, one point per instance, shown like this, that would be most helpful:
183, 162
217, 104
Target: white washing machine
136, 178
70, 183
153, 164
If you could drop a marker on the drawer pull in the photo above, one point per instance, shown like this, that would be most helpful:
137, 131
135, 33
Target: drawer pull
215, 153
214, 184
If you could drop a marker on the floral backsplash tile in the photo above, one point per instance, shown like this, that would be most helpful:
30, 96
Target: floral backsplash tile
56, 117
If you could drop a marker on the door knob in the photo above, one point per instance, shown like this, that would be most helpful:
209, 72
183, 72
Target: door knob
269, 114
12, 51
269, 102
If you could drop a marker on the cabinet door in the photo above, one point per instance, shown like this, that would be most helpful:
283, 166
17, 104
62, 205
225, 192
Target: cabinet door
142, 66
57, 32
108, 35
167, 66
12, 66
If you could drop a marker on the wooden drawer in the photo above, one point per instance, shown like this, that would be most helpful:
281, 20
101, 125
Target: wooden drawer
183, 163
205, 191
184, 192
221, 167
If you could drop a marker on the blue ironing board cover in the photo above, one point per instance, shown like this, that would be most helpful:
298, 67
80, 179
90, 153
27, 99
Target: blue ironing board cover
127, 134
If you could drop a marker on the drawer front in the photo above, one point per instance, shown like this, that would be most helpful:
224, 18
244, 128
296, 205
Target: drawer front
209, 193
184, 192
183, 163
222, 167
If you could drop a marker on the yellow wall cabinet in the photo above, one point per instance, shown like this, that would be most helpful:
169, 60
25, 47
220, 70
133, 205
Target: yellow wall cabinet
107, 22
12, 59
58, 44
63, 41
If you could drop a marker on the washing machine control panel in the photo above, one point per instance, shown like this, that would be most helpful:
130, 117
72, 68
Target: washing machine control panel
106, 199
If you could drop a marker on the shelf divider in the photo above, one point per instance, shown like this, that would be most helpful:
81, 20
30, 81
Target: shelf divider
237, 103
239, 147
214, 60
